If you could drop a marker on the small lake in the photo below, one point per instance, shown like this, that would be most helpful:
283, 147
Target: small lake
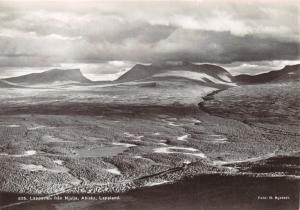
107, 151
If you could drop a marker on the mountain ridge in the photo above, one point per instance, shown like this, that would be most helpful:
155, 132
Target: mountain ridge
287, 73
203, 74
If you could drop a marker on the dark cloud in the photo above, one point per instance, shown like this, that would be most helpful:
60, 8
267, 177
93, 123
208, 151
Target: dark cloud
43, 34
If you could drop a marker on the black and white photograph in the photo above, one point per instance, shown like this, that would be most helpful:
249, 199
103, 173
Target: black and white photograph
149, 104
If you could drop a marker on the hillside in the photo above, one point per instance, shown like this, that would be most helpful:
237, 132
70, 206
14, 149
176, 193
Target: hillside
49, 77
287, 74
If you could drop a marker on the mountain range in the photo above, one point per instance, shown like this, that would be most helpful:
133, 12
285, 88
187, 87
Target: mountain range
203, 74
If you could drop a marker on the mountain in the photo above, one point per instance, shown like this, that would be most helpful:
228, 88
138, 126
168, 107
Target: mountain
287, 74
50, 77
207, 74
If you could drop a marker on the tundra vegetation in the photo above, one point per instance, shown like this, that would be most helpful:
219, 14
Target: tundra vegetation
108, 138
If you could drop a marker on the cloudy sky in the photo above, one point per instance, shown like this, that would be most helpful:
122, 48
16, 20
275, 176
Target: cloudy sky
105, 38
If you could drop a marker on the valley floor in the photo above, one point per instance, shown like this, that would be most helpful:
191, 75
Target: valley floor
119, 148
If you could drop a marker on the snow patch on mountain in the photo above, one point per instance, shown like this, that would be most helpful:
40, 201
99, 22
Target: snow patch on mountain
203, 77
